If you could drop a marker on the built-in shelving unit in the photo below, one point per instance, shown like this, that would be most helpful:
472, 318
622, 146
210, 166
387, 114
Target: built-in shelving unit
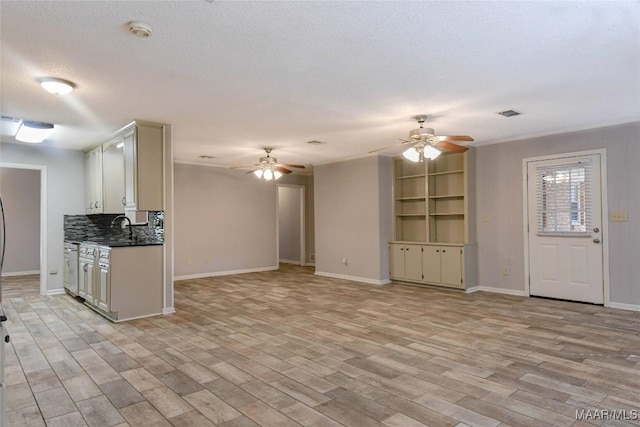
434, 224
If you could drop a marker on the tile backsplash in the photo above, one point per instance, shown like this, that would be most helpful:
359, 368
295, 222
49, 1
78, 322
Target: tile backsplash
98, 228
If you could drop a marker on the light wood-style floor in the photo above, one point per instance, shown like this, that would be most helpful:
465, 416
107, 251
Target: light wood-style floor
289, 348
20, 286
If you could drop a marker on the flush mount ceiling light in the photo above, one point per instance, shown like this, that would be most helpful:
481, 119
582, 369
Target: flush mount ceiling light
140, 29
56, 86
33, 132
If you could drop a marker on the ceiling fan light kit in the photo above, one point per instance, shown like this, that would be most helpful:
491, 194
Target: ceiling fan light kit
426, 144
269, 168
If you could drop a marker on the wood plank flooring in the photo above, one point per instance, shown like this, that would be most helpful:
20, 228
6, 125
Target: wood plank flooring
20, 286
289, 348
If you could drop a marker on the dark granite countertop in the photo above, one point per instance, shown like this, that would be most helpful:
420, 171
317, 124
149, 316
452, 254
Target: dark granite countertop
119, 243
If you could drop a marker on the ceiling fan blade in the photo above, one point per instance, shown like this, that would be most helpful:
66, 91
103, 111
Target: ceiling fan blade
283, 170
385, 148
292, 166
454, 138
451, 147
243, 166
252, 171
408, 141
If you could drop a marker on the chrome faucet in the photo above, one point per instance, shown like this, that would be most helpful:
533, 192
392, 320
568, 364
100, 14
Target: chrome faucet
121, 217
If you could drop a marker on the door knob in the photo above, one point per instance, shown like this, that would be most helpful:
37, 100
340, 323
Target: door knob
596, 230
596, 240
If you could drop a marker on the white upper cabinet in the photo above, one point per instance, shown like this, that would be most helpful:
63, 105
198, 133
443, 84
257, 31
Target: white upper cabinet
93, 181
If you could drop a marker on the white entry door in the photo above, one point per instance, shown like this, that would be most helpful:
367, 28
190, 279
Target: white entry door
564, 197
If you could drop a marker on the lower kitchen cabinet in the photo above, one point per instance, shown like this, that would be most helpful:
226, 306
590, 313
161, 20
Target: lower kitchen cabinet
122, 283
451, 265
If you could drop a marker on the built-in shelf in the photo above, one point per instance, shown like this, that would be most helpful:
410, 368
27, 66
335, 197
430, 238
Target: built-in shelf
411, 214
448, 196
410, 176
411, 198
447, 214
446, 172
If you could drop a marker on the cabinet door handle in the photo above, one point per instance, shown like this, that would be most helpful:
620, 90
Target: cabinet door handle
97, 205
443, 251
407, 248
124, 202
437, 250
402, 249
85, 267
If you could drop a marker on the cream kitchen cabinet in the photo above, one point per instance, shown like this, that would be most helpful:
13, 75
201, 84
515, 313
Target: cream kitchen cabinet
113, 175
143, 167
93, 181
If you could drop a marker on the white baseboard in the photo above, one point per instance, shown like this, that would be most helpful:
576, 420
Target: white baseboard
472, 290
504, 291
622, 306
137, 317
225, 273
353, 278
309, 264
290, 261
21, 273
168, 310
52, 292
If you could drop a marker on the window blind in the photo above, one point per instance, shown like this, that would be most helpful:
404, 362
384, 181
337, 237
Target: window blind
564, 203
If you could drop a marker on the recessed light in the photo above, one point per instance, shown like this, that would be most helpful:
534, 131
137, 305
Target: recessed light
205, 156
140, 29
315, 142
509, 113
56, 86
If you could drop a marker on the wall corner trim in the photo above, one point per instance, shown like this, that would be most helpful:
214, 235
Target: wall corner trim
225, 273
353, 278
514, 292
623, 306
52, 292
168, 310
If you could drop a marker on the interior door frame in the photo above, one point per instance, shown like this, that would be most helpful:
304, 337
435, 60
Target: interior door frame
604, 203
43, 218
303, 255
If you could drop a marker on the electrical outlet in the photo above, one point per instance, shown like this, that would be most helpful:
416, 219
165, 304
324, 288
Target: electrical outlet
345, 261
207, 260
189, 261
505, 271
619, 216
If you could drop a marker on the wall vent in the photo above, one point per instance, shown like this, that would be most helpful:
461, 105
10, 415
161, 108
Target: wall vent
509, 113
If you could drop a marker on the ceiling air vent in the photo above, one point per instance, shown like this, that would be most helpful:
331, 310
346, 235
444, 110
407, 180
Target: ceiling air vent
509, 113
206, 156
315, 142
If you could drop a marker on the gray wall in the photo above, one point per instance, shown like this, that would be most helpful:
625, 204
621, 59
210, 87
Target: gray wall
20, 189
65, 194
289, 199
353, 217
500, 205
224, 220
309, 200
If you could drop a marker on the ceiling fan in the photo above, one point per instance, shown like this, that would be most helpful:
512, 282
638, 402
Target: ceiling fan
426, 144
269, 168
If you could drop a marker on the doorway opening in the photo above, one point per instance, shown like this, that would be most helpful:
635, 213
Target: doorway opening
291, 219
24, 192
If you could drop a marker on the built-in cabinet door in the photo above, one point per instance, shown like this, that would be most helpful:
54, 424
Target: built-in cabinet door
67, 268
90, 283
83, 278
130, 169
88, 183
412, 262
431, 264
113, 176
451, 266
102, 292
397, 260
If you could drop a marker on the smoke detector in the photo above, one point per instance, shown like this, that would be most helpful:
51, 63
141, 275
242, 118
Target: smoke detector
139, 29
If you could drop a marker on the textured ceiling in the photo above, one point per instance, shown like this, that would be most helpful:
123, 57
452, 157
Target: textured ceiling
233, 77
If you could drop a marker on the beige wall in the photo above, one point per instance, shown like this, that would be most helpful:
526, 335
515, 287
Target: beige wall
353, 217
224, 220
20, 189
65, 195
500, 205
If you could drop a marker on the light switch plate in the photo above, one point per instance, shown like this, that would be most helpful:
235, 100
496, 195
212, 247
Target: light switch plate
619, 216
